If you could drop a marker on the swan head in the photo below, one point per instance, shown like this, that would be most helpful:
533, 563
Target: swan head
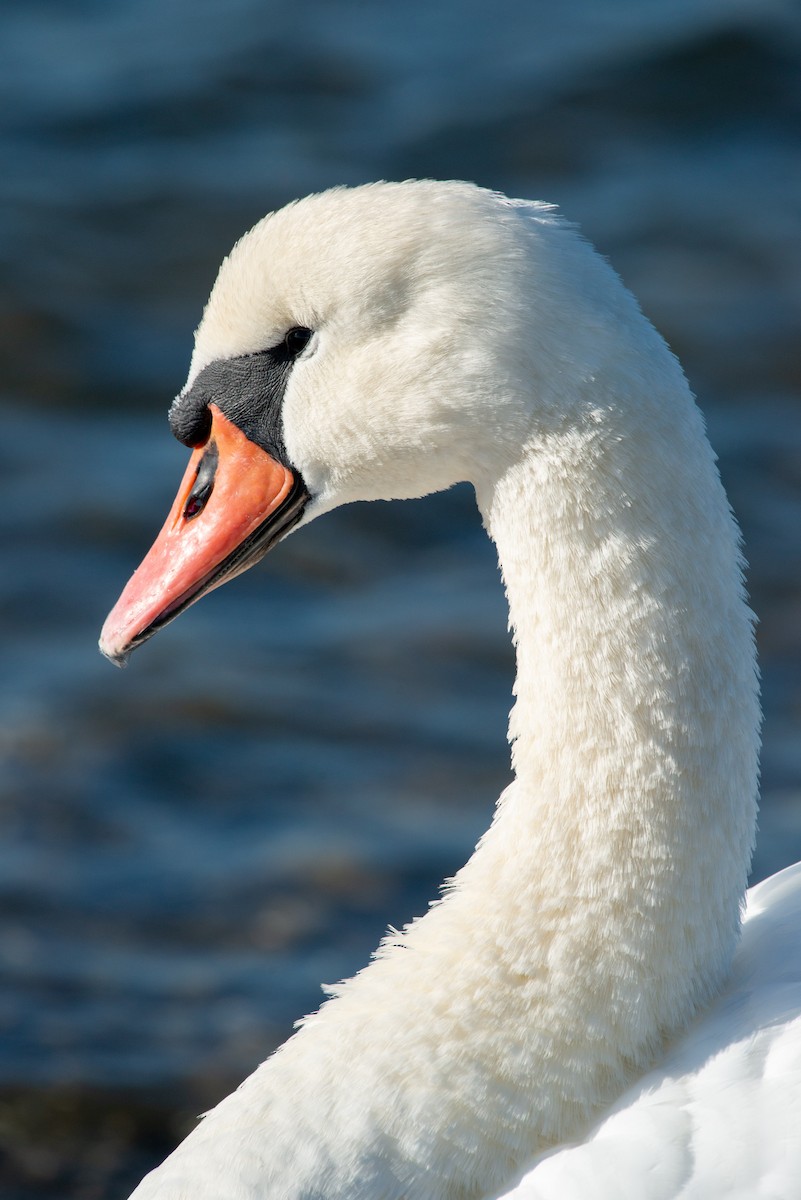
381, 342
397, 304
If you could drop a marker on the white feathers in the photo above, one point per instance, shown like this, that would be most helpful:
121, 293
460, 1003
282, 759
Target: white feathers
463, 336
721, 1115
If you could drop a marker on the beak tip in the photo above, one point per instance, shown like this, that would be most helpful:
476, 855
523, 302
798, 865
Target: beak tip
118, 656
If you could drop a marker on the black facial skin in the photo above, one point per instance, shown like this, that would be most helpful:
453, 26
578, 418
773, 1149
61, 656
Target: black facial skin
248, 390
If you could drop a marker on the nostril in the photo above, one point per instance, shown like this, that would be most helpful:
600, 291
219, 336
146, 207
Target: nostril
197, 502
203, 486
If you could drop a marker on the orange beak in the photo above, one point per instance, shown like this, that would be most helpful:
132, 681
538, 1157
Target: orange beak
234, 503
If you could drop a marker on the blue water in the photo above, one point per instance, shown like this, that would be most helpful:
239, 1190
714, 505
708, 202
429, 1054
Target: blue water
190, 847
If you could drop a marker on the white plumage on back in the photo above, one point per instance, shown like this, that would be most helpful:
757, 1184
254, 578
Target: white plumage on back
721, 1115
462, 336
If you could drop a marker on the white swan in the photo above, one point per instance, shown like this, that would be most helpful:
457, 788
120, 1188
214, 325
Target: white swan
386, 342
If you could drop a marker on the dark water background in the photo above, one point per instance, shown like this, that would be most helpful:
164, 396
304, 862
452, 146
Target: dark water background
189, 848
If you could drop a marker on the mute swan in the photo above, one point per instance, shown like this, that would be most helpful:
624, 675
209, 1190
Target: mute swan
385, 342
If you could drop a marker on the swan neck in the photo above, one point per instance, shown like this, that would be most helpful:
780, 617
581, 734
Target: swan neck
602, 905
635, 726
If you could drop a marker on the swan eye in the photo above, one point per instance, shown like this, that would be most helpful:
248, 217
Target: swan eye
296, 340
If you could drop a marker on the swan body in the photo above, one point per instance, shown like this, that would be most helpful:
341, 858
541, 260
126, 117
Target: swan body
721, 1115
389, 341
